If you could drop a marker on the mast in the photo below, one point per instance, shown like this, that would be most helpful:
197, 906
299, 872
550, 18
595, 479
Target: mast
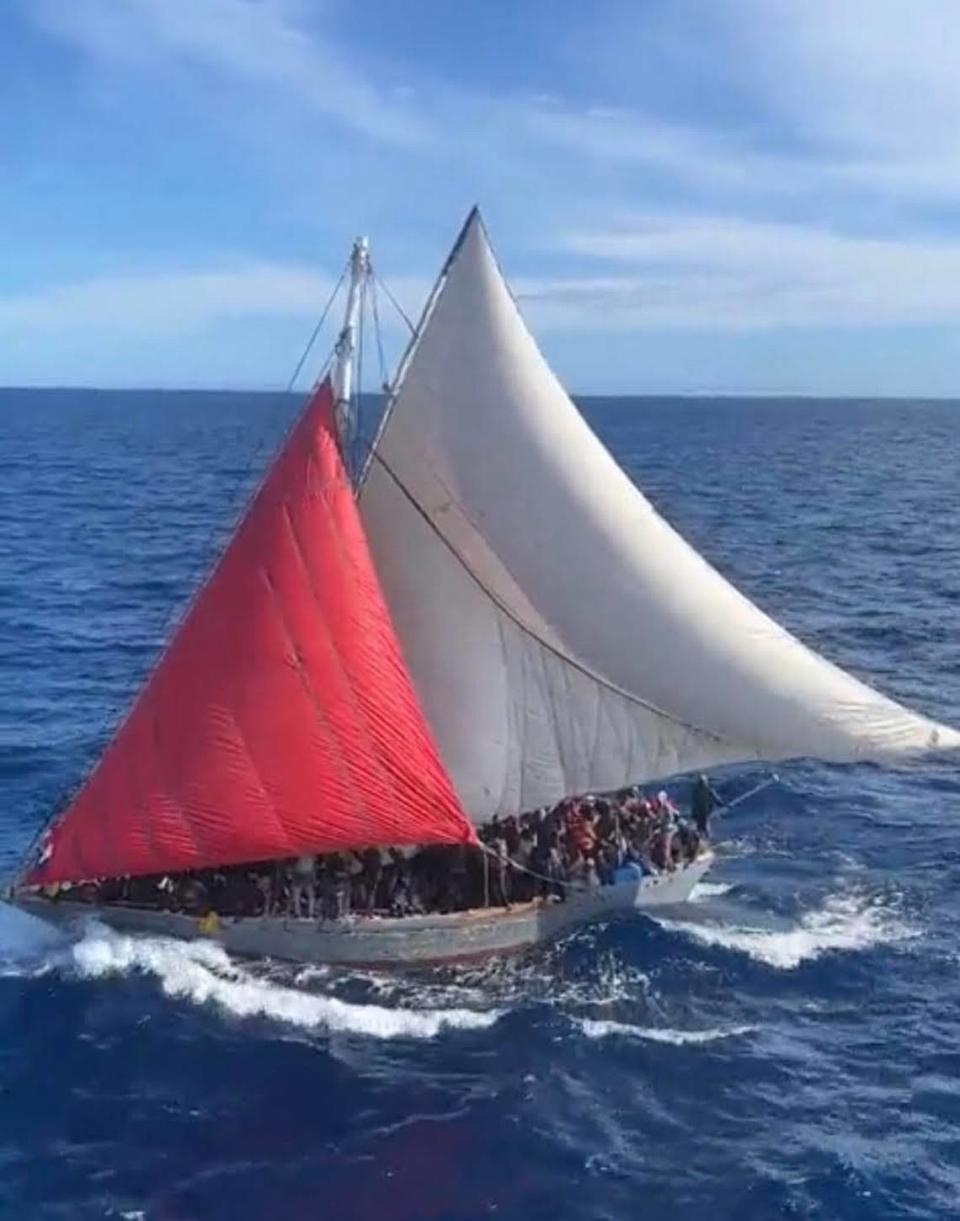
345, 351
393, 389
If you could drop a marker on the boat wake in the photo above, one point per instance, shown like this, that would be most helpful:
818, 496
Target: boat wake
28, 946
202, 972
383, 1005
843, 922
703, 892
599, 1029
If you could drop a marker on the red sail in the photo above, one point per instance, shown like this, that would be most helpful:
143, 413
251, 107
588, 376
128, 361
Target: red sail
281, 719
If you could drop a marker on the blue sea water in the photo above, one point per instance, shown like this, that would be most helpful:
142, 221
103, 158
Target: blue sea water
786, 1046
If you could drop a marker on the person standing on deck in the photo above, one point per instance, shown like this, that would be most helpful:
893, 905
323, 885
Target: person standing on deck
303, 886
500, 872
704, 801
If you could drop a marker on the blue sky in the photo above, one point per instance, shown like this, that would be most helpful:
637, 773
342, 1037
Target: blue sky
690, 196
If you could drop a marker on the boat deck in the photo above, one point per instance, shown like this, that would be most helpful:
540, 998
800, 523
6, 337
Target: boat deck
388, 941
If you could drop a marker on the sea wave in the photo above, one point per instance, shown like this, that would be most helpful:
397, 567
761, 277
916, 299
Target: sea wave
704, 891
843, 922
27, 945
202, 972
600, 1029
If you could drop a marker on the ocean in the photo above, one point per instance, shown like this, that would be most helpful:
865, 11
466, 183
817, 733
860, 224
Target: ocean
788, 1046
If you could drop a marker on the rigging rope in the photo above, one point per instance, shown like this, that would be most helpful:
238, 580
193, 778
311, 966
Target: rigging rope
317, 329
397, 306
375, 310
757, 788
542, 877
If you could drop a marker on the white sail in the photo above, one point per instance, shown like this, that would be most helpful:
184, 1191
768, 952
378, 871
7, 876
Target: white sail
562, 636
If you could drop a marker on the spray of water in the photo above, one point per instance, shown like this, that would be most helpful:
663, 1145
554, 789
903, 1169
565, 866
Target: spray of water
595, 1029
202, 972
844, 922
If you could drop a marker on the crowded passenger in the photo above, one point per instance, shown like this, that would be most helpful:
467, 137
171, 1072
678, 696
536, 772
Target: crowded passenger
581, 844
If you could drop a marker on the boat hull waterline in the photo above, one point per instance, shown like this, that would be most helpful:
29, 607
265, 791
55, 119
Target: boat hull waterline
392, 941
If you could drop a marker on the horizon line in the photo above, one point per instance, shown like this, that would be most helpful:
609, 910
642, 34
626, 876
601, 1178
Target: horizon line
770, 395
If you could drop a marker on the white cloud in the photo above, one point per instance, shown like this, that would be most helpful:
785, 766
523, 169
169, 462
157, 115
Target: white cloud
832, 101
185, 300
868, 88
658, 272
255, 41
847, 115
717, 273
875, 75
175, 301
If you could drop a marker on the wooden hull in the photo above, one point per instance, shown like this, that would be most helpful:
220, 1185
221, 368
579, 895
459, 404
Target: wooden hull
410, 940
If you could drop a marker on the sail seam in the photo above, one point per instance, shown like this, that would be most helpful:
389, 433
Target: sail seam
551, 703
145, 817
347, 559
527, 631
175, 798
517, 730
322, 721
598, 717
525, 732
255, 771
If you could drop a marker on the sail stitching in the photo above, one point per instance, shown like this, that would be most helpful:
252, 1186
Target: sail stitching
513, 727
525, 733
598, 717
175, 798
559, 653
322, 720
261, 784
348, 564
551, 703
573, 725
145, 818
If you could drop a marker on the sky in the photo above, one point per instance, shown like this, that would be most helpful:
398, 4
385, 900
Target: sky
753, 196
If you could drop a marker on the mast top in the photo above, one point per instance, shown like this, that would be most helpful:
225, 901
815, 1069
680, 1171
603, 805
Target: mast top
345, 351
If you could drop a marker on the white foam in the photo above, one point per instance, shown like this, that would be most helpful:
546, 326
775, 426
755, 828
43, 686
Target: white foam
709, 890
202, 972
26, 943
597, 1029
844, 922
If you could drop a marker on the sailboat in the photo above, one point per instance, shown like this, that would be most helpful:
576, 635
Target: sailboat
484, 616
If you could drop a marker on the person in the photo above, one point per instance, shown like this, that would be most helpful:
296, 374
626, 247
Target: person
704, 801
393, 886
342, 890
661, 847
608, 857
500, 873
524, 884
265, 890
303, 886
556, 870
373, 863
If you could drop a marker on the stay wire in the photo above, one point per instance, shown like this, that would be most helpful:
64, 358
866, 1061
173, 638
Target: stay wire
358, 380
397, 306
375, 311
316, 330
757, 788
